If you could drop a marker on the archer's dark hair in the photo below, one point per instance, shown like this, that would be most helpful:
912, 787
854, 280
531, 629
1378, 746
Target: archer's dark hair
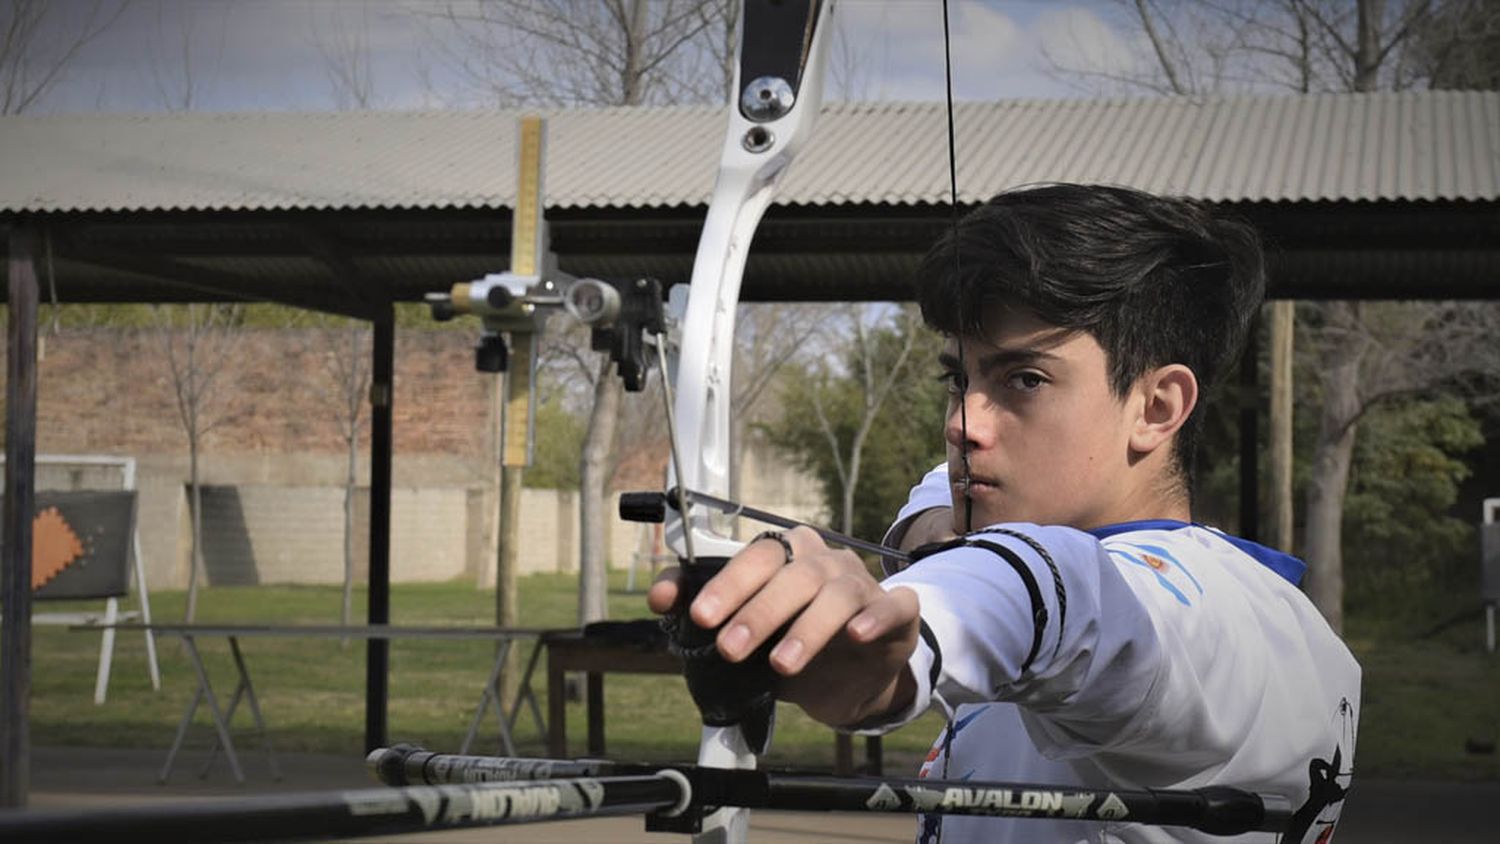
1156, 280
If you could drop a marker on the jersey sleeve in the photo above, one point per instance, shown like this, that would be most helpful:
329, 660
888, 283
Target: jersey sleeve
932, 491
1040, 617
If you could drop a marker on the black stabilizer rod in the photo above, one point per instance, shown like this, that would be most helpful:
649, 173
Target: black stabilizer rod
1216, 810
321, 815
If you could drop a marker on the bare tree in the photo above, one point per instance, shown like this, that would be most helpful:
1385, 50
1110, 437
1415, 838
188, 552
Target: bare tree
1316, 46
876, 374
610, 53
345, 352
176, 50
346, 349
198, 342
197, 339
344, 44
40, 39
767, 336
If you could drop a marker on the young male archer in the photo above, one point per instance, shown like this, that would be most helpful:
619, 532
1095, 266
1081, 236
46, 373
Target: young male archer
1083, 630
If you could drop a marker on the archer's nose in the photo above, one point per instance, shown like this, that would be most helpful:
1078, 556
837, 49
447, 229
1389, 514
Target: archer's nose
966, 427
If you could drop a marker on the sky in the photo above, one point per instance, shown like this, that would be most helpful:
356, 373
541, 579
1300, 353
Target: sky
266, 55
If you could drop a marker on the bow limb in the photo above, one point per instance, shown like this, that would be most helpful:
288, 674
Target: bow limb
755, 156
778, 91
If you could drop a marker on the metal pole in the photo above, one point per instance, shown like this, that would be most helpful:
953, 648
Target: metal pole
1489, 628
377, 651
20, 499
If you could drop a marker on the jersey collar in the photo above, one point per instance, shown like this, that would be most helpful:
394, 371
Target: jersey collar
1288, 567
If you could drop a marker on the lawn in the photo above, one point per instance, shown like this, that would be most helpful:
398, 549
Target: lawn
312, 690
1424, 699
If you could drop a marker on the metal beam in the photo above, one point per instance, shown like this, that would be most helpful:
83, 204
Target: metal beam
330, 251
214, 284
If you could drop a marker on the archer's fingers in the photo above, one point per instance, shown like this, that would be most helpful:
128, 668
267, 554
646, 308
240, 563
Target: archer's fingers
791, 590
662, 596
737, 583
897, 611
835, 604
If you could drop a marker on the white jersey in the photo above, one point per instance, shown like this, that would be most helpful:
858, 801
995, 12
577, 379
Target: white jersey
1146, 655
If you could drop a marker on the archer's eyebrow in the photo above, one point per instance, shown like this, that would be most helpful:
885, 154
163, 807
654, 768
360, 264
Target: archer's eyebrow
999, 358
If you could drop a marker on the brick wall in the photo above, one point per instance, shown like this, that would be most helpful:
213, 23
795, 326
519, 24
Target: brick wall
273, 460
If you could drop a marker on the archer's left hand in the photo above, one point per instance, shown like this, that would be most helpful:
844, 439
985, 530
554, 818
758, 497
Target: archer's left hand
844, 657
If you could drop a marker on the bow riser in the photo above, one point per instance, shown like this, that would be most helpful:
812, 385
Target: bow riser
761, 140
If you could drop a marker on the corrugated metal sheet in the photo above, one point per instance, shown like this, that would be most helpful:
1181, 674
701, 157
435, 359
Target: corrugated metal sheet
1393, 146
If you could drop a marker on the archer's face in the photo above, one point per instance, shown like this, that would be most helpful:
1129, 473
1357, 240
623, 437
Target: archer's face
1048, 441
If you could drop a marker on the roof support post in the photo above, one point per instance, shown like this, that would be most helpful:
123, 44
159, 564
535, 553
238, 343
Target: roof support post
20, 499
377, 651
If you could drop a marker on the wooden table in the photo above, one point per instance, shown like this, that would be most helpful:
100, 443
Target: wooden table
593, 655
597, 655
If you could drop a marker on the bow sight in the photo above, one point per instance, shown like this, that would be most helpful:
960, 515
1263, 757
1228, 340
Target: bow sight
620, 315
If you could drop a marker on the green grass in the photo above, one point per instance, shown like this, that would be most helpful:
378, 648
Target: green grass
1422, 698
312, 690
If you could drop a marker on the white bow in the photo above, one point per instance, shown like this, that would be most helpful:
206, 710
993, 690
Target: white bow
770, 119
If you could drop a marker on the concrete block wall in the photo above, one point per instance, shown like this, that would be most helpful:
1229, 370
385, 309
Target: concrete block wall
280, 519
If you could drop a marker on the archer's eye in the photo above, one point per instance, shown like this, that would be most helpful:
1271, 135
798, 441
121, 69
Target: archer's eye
954, 381
1026, 381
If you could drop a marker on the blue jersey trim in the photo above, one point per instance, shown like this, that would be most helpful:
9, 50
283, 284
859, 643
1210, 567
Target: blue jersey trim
1288, 567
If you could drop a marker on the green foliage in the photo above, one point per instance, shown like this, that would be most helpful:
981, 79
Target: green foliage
905, 439
559, 442
1403, 552
1409, 562
410, 316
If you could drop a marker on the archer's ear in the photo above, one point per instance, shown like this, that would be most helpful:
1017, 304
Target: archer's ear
1169, 394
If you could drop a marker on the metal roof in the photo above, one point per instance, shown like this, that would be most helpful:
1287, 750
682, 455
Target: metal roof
1417, 145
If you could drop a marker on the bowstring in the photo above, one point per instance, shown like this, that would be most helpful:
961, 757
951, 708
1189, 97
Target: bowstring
963, 381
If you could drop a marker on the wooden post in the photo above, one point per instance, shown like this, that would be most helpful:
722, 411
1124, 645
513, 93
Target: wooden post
1283, 329
527, 246
515, 456
1249, 435
20, 500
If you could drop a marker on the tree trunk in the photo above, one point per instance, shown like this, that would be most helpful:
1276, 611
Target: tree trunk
1283, 327
593, 478
1332, 457
352, 398
349, 486
195, 502
851, 483
1367, 46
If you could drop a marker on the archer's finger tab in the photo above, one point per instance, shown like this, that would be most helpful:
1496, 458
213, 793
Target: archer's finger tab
780, 538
